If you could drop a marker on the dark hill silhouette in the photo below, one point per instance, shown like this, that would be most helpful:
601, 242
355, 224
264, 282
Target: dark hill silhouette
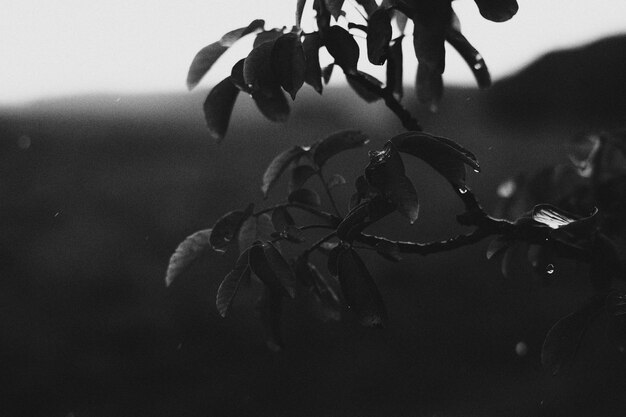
585, 85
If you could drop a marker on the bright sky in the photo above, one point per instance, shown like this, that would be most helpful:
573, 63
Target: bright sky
63, 47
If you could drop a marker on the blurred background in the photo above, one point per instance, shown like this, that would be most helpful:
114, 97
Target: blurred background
106, 165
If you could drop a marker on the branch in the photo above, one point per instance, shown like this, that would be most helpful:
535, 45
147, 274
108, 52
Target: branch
331, 218
406, 118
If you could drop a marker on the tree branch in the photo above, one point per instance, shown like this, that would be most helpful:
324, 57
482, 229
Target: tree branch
331, 218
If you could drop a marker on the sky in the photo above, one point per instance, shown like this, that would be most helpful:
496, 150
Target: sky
64, 47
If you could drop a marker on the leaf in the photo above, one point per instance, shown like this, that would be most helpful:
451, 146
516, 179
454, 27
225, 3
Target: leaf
334, 7
359, 289
564, 338
186, 252
385, 172
227, 228
378, 36
207, 56
337, 143
333, 257
230, 285
335, 181
327, 72
236, 77
247, 234
395, 68
313, 71
288, 63
273, 106
218, 107
363, 215
343, 48
267, 36
497, 10
271, 268
264, 227
300, 175
444, 155
305, 196
429, 86
329, 305
299, 11
389, 250
471, 56
269, 307
429, 35
281, 219
278, 166
356, 81
258, 72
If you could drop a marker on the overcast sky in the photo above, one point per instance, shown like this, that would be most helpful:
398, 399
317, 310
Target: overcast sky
63, 47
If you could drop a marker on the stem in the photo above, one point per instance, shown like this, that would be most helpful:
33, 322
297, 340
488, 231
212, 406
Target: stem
317, 226
318, 244
330, 195
331, 218
406, 118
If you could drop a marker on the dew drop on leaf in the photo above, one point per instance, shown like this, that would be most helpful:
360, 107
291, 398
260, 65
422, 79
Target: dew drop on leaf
550, 269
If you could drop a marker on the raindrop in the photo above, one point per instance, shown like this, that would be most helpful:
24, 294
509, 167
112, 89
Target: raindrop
57, 214
521, 349
477, 171
479, 57
463, 190
478, 65
550, 269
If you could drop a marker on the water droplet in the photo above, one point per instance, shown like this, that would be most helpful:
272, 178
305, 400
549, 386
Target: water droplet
24, 142
57, 214
479, 57
550, 269
463, 190
478, 66
521, 349
475, 170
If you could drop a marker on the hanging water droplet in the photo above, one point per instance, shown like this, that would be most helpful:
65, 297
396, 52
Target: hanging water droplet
550, 269
478, 66
521, 349
476, 170
507, 189
462, 190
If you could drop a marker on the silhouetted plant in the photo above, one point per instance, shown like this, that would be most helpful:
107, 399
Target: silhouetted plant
592, 189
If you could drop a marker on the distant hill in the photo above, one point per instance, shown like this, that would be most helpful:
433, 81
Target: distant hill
584, 85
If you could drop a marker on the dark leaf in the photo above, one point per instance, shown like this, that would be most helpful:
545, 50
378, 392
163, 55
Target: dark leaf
202, 63
541, 259
429, 34
313, 72
564, 338
385, 172
264, 227
444, 155
274, 106
363, 215
336, 143
429, 85
204, 60
269, 307
288, 63
378, 36
299, 11
327, 72
188, 251
395, 68
267, 36
359, 289
401, 20
236, 77
329, 305
218, 108
278, 166
300, 175
305, 196
281, 219
364, 85
497, 10
247, 234
389, 250
335, 181
334, 7
258, 72
471, 56
370, 6
226, 229
230, 285
293, 234
343, 48
270, 269
605, 262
